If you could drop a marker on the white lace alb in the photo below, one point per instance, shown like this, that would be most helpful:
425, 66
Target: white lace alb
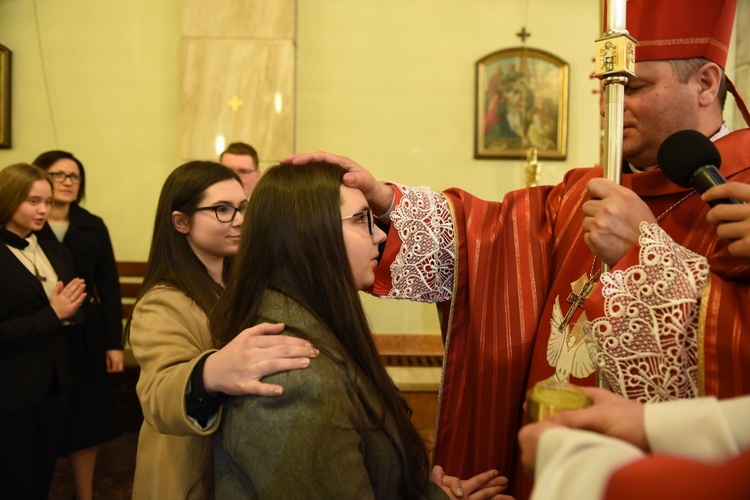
646, 344
423, 268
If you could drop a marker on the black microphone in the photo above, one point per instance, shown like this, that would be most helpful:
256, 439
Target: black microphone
689, 158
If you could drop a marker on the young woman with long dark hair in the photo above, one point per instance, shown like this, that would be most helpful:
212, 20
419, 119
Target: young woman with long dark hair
183, 378
341, 430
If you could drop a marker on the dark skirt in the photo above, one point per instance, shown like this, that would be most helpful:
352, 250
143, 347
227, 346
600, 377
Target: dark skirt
93, 418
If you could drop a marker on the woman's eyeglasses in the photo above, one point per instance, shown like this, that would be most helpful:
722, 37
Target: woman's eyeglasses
225, 213
61, 176
361, 216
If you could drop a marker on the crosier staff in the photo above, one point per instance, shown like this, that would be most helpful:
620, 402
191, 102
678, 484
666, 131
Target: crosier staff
615, 62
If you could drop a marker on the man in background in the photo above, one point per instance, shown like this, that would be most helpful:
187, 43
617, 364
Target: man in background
243, 159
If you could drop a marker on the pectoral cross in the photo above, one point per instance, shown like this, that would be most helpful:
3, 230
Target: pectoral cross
37, 274
582, 288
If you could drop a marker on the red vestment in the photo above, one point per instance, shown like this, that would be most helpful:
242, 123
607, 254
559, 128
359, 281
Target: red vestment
663, 476
514, 258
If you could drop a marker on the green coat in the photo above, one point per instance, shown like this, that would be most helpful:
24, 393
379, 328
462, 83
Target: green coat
306, 443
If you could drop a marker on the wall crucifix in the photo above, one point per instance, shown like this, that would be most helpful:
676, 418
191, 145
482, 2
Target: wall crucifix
523, 34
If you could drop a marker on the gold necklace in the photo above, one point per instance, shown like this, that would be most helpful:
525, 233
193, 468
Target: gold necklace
583, 287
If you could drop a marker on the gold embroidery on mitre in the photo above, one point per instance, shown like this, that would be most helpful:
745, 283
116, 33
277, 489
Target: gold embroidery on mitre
683, 41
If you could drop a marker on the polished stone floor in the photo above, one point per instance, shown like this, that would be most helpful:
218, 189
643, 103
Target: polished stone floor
115, 465
113, 477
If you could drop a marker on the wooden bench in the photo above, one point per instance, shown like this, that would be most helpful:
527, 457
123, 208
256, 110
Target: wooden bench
131, 278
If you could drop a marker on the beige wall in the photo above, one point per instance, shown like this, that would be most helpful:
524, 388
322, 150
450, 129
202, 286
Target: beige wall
112, 90
389, 83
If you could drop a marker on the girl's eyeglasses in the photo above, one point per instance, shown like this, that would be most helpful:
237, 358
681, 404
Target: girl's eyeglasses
225, 213
361, 215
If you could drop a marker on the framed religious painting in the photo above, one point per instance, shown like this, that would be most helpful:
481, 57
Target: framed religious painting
4, 97
521, 103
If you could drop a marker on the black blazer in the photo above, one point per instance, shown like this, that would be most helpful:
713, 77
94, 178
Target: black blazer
33, 356
88, 240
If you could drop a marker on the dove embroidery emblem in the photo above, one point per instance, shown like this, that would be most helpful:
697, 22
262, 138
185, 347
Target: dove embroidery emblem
567, 352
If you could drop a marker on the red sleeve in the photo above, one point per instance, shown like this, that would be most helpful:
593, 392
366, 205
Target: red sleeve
723, 328
660, 476
382, 284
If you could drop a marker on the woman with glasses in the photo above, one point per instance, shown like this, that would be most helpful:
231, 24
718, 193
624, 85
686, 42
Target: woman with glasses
183, 380
37, 313
97, 348
341, 430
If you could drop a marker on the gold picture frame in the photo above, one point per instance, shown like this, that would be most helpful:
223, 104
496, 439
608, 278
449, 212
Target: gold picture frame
4, 97
521, 103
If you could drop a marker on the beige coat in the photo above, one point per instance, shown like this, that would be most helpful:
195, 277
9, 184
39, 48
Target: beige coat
168, 334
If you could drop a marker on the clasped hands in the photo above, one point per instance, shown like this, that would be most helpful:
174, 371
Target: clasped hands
67, 299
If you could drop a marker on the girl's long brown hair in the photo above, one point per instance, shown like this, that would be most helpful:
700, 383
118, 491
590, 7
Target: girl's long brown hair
292, 242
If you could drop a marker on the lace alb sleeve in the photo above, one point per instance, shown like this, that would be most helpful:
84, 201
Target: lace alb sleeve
647, 341
423, 268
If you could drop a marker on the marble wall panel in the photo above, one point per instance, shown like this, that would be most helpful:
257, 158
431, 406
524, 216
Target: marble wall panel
239, 18
216, 73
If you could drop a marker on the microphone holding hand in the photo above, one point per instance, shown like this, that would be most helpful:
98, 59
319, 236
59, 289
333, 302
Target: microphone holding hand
689, 158
732, 221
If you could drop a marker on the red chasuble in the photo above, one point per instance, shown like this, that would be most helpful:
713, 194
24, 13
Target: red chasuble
515, 260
